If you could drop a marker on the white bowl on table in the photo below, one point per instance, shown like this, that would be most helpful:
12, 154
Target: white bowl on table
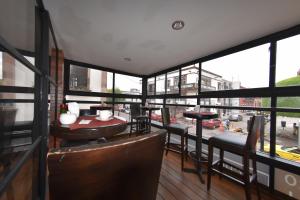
67, 118
104, 115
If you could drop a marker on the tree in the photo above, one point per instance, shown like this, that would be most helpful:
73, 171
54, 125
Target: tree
288, 102
117, 91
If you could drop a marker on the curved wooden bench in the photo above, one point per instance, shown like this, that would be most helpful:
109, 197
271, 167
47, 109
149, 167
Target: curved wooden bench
124, 169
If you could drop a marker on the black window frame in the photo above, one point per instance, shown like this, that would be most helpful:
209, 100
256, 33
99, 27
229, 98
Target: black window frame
39, 126
271, 91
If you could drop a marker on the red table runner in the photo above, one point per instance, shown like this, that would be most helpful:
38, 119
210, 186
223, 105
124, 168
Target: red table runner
95, 123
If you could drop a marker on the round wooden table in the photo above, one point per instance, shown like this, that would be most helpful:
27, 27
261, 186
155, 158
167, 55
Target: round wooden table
94, 130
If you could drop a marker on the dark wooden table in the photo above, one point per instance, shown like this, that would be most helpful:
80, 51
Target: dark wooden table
94, 108
149, 109
86, 132
199, 116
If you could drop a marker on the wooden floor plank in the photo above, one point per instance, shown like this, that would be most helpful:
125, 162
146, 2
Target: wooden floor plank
164, 193
176, 184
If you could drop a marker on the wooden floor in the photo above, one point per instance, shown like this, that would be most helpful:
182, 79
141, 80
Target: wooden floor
175, 184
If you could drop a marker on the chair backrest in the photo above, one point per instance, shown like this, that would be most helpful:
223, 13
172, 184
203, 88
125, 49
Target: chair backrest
135, 109
7, 122
7, 118
256, 128
165, 115
124, 169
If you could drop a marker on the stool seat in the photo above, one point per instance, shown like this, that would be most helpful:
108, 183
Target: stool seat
178, 129
229, 142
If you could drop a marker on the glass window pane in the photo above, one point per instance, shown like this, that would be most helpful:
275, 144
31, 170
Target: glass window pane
158, 101
14, 73
156, 114
287, 136
85, 98
288, 62
172, 82
238, 102
128, 84
288, 102
182, 101
160, 84
90, 80
189, 80
128, 100
122, 110
150, 86
244, 69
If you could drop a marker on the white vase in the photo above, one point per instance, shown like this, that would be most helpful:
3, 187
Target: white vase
67, 118
73, 107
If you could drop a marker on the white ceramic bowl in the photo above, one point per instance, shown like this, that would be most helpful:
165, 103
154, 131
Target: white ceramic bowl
105, 115
67, 118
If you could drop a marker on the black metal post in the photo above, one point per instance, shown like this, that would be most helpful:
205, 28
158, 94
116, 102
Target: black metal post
42, 62
273, 112
144, 90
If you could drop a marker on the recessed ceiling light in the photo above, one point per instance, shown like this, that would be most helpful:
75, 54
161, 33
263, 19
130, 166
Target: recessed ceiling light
127, 59
178, 25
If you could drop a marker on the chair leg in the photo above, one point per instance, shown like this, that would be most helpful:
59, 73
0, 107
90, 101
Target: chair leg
137, 126
186, 146
168, 142
255, 180
209, 165
54, 142
246, 176
131, 124
182, 151
221, 162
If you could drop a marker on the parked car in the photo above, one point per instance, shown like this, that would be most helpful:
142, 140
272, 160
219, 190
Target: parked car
212, 123
285, 152
235, 117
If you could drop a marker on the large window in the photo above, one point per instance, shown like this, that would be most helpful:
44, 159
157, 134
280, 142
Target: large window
173, 82
160, 84
288, 62
241, 70
90, 80
189, 80
14, 73
150, 86
125, 84
287, 129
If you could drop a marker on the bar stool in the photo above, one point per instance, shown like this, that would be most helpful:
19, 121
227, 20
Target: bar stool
177, 129
244, 146
139, 122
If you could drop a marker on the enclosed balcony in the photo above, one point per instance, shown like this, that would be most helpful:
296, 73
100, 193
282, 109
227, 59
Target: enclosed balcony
149, 99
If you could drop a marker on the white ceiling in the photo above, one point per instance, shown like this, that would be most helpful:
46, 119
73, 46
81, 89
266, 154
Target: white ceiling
104, 32
17, 23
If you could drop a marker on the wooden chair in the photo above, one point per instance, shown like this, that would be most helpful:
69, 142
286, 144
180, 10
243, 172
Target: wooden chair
7, 122
124, 169
244, 146
177, 129
138, 121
